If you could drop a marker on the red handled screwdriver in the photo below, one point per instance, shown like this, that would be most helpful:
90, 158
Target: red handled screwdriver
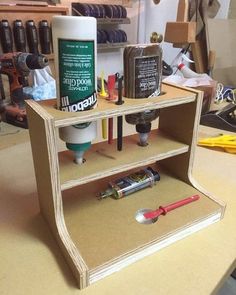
163, 210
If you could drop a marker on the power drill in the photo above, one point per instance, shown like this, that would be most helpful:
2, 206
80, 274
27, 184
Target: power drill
17, 66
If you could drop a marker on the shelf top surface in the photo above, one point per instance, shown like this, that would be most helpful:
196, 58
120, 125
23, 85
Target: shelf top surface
171, 95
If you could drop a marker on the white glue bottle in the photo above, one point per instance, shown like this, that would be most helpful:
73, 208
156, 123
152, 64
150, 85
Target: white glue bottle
75, 51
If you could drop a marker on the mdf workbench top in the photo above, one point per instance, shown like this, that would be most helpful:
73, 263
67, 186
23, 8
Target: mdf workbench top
31, 262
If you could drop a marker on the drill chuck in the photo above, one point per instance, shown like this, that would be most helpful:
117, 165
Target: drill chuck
28, 61
36, 61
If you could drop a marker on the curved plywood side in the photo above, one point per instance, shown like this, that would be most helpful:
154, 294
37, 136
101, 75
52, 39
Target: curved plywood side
44, 149
181, 122
208, 194
192, 156
181, 166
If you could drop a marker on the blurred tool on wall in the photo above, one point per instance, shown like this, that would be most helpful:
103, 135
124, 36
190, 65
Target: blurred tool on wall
17, 66
32, 37
19, 36
142, 79
6, 36
45, 37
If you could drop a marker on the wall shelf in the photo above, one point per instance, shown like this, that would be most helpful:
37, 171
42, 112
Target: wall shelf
115, 21
105, 46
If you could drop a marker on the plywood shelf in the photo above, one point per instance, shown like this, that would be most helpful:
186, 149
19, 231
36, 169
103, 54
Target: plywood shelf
126, 3
111, 223
115, 21
171, 96
105, 46
98, 238
104, 160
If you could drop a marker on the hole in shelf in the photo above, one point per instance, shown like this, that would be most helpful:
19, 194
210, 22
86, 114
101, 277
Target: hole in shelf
139, 216
84, 160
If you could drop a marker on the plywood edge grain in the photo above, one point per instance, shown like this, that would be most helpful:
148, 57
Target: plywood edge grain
119, 169
44, 148
208, 194
124, 167
152, 247
191, 179
172, 95
35, 9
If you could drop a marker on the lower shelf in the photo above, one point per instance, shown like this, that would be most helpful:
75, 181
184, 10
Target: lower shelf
107, 234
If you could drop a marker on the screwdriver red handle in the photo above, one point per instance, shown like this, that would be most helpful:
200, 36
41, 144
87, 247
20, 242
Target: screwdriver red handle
163, 210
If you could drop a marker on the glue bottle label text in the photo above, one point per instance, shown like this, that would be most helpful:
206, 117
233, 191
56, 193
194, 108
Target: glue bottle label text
77, 75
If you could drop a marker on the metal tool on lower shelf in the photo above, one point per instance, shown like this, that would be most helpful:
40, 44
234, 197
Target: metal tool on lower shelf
130, 184
148, 216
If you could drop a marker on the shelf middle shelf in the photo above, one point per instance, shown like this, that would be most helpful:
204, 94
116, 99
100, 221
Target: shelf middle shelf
103, 160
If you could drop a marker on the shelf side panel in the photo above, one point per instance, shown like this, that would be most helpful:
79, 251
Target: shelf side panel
182, 123
44, 150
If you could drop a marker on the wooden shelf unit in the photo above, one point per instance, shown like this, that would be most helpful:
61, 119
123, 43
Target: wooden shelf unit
98, 238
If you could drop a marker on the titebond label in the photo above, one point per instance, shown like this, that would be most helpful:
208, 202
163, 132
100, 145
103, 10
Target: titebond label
77, 75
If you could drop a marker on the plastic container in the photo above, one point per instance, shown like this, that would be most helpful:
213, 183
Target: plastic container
74, 43
142, 79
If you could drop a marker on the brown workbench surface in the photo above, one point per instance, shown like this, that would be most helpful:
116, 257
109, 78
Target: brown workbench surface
31, 262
